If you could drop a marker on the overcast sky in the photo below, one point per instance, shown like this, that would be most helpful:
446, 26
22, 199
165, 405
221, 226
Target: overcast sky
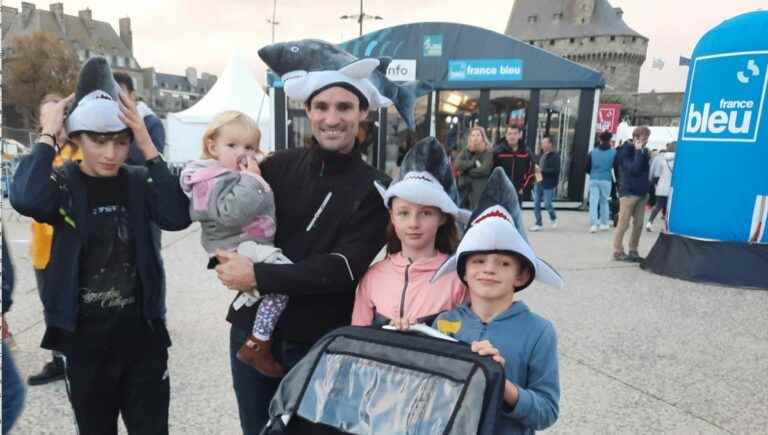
174, 34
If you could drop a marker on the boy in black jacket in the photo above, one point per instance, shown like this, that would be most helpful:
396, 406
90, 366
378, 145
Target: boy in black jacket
106, 308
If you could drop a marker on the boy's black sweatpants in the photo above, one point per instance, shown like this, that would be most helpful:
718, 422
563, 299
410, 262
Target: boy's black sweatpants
102, 385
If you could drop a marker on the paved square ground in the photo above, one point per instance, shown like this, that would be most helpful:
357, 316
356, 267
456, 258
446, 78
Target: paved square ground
639, 353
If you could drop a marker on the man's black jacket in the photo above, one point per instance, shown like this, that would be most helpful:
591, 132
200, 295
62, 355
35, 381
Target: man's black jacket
331, 223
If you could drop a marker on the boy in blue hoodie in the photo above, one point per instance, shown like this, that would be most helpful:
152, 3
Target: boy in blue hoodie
495, 262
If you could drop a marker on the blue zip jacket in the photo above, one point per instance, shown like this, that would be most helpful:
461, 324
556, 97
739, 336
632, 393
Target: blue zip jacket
58, 197
528, 343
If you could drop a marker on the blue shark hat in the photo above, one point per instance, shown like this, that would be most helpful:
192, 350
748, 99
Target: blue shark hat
301, 85
96, 106
493, 230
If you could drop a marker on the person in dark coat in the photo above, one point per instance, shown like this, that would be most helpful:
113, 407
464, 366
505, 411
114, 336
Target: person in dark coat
633, 161
474, 165
548, 174
516, 160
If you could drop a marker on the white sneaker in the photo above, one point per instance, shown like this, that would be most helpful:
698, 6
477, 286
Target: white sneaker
605, 227
536, 228
593, 229
649, 227
554, 224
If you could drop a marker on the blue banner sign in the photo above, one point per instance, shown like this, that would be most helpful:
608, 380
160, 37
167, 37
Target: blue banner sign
726, 97
481, 70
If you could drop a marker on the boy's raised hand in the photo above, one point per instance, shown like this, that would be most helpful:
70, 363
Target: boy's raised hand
485, 348
130, 116
52, 116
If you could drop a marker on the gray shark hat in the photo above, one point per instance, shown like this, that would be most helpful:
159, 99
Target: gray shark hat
96, 106
301, 85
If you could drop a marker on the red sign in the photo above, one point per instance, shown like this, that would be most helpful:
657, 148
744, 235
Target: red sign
608, 117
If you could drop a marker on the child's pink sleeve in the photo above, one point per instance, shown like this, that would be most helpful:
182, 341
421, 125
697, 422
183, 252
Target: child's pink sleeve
362, 313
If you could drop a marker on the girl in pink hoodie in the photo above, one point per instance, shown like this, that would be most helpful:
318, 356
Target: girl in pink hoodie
421, 235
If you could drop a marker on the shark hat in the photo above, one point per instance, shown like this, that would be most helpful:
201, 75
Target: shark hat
419, 187
301, 85
496, 226
494, 231
96, 107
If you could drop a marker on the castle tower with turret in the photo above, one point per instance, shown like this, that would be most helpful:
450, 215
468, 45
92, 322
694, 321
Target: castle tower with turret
590, 32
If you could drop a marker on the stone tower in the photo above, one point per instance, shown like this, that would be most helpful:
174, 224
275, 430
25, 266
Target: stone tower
590, 32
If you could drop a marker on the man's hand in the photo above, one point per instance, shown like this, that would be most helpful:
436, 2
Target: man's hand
52, 118
129, 114
235, 271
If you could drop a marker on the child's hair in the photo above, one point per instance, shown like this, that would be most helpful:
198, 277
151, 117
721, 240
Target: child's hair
446, 239
226, 118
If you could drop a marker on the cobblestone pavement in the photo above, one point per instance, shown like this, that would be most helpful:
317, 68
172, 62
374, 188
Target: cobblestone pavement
639, 353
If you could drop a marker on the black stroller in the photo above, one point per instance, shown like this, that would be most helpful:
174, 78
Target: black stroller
374, 381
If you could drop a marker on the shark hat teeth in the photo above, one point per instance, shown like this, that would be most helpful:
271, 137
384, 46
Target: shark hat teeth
300, 85
419, 187
494, 230
96, 107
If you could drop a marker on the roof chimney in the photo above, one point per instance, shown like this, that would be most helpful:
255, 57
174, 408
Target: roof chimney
87, 16
26, 11
191, 74
126, 35
58, 12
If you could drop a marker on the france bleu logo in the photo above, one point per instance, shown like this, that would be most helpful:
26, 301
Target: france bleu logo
726, 97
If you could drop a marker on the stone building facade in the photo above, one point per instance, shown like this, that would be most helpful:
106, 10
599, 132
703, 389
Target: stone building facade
90, 37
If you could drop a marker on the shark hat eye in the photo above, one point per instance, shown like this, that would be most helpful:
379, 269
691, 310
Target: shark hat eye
294, 49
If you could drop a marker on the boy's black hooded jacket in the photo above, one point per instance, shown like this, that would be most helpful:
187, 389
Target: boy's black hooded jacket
58, 197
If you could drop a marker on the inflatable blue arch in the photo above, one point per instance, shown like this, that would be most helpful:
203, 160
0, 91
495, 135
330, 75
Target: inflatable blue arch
719, 200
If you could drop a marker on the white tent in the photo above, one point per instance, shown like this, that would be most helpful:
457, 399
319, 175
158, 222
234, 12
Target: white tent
660, 136
236, 89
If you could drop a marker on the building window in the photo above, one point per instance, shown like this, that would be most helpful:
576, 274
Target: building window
551, 42
557, 16
613, 38
634, 39
591, 39
533, 18
572, 40
613, 70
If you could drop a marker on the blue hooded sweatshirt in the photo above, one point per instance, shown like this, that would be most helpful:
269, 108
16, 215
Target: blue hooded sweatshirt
529, 345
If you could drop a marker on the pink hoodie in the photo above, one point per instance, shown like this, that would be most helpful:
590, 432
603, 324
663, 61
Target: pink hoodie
396, 285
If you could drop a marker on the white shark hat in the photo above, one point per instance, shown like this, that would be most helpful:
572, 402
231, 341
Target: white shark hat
300, 85
96, 107
419, 187
494, 230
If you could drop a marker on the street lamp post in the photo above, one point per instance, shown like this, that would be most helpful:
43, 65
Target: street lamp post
360, 17
273, 21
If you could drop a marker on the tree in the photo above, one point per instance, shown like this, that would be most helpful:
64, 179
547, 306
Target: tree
35, 66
